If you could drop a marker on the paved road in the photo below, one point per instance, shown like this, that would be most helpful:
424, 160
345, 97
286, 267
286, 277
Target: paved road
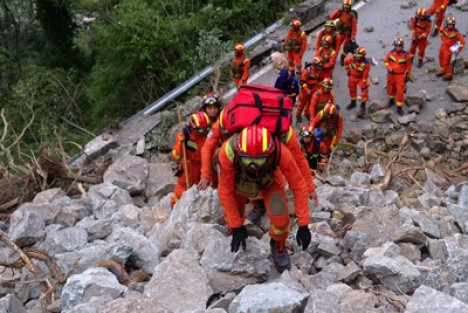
388, 21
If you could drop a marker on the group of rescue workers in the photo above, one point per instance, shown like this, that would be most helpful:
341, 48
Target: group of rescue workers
253, 165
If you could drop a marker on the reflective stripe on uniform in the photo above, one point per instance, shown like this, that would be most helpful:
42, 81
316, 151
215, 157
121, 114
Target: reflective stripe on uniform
277, 231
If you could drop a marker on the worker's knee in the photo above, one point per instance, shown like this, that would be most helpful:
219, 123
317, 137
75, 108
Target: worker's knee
277, 204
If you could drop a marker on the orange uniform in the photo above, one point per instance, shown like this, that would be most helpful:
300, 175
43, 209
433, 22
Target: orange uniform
449, 38
329, 61
213, 140
309, 83
420, 30
321, 34
358, 72
295, 43
240, 69
332, 129
319, 100
438, 7
346, 28
273, 196
193, 147
312, 153
398, 64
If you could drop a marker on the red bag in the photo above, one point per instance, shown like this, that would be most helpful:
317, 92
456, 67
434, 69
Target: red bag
265, 106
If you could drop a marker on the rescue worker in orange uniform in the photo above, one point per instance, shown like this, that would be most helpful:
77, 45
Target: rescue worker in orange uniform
321, 97
328, 30
240, 66
358, 69
211, 105
328, 55
346, 27
438, 8
311, 143
309, 84
295, 43
421, 26
193, 136
398, 64
449, 36
252, 165
331, 123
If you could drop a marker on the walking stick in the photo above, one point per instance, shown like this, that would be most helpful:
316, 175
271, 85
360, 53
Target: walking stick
184, 153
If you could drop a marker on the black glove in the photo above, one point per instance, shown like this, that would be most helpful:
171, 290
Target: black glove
186, 131
303, 237
238, 237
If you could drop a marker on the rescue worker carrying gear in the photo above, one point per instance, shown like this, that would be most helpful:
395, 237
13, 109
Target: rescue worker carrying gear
295, 44
421, 26
452, 42
398, 64
253, 164
311, 144
211, 105
288, 84
346, 27
309, 83
193, 136
328, 55
328, 30
331, 123
322, 97
358, 69
240, 65
438, 8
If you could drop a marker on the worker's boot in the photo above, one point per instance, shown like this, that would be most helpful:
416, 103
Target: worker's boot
362, 111
400, 111
390, 102
299, 119
257, 212
280, 255
420, 63
342, 59
435, 32
352, 105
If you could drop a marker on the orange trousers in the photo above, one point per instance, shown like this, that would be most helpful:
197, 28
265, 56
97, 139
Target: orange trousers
327, 73
342, 39
304, 100
396, 86
421, 45
194, 170
295, 60
445, 58
240, 82
440, 14
353, 83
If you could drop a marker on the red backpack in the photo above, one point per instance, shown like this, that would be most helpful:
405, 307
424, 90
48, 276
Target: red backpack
265, 106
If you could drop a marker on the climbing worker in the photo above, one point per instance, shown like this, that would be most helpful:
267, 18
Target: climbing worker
288, 84
358, 68
253, 164
421, 26
192, 137
398, 64
346, 27
211, 105
330, 121
309, 83
438, 8
328, 55
240, 65
329, 29
295, 44
311, 143
452, 42
321, 97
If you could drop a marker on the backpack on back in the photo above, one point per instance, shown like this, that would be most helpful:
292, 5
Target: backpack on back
259, 105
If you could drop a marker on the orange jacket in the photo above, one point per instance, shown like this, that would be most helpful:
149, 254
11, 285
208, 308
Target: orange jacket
398, 62
286, 166
322, 34
349, 22
213, 139
242, 62
357, 69
300, 36
327, 124
309, 76
193, 147
450, 37
440, 5
322, 98
420, 29
329, 57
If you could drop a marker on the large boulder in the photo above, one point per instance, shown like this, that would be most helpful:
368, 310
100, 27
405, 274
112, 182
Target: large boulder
129, 173
428, 300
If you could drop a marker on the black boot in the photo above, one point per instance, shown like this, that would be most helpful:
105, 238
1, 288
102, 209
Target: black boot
420, 63
342, 59
352, 105
299, 119
257, 212
435, 32
362, 111
280, 255
400, 111
390, 102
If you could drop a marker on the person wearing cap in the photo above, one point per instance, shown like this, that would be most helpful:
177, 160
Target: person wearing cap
295, 44
398, 64
358, 69
330, 121
321, 97
421, 26
452, 42
328, 30
346, 27
240, 65
328, 54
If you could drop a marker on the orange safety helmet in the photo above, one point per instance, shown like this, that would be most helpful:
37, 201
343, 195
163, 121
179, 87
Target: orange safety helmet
239, 47
200, 122
327, 83
254, 147
330, 109
347, 2
450, 20
296, 22
421, 12
360, 52
318, 60
328, 39
399, 41
211, 99
330, 23
307, 131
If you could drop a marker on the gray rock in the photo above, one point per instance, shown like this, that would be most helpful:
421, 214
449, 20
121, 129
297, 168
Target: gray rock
349, 272
436, 146
414, 109
27, 230
11, 304
390, 197
378, 172
354, 135
321, 301
303, 261
108, 191
415, 100
374, 106
426, 299
410, 233
66, 240
357, 243
161, 180
437, 249
127, 216
406, 119
454, 107
49, 195
410, 251
179, 283
460, 291
140, 305
336, 180
100, 146
93, 283
358, 301
457, 92
224, 302
129, 173
273, 298
198, 237
460, 214
381, 116
96, 229
463, 197
361, 178
327, 247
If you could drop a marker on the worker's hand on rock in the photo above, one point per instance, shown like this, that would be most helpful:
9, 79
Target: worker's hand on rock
303, 237
238, 238
313, 195
203, 184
